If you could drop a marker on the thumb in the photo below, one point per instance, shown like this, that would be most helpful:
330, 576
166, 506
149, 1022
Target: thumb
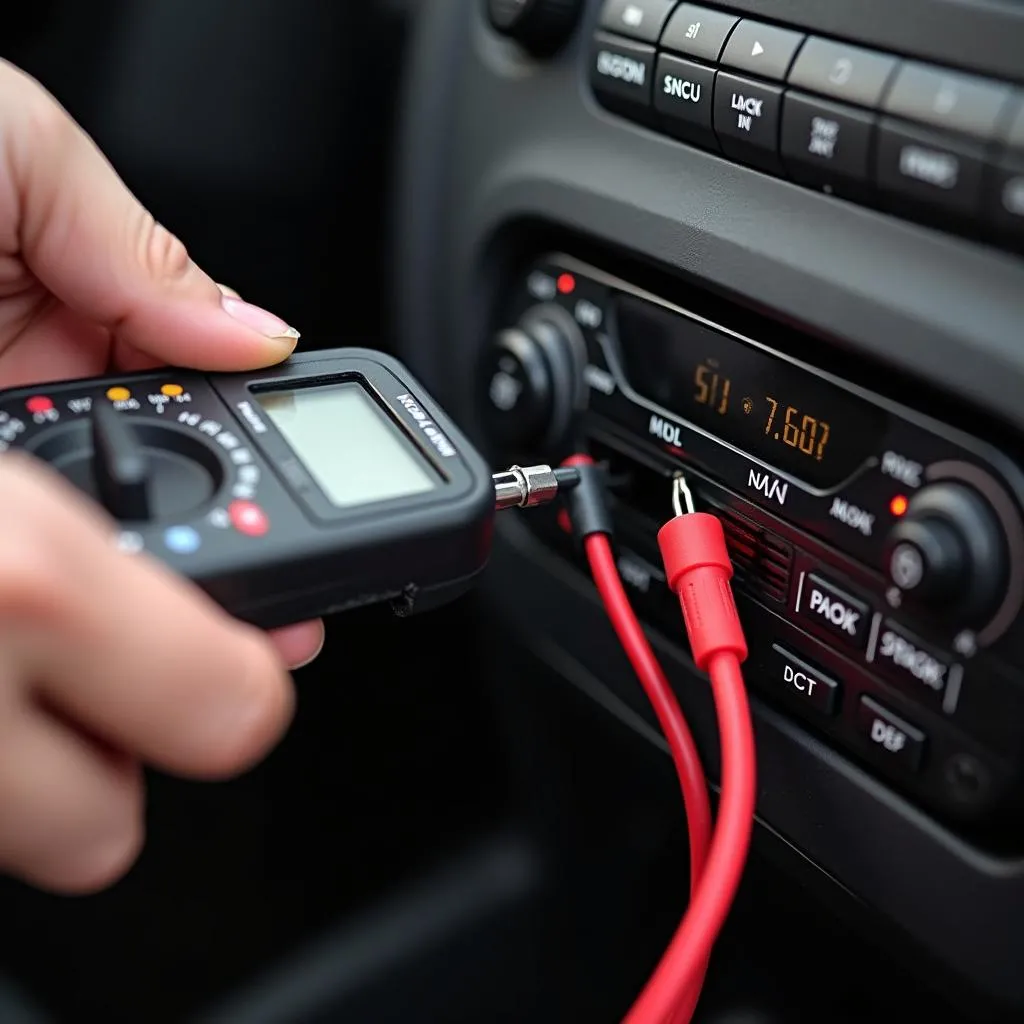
89, 241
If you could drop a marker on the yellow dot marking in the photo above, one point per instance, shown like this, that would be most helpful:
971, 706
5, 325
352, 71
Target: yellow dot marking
118, 394
171, 390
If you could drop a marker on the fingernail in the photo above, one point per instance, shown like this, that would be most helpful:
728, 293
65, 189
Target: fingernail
267, 324
309, 661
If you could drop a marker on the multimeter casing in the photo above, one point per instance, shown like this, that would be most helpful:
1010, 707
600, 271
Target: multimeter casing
269, 546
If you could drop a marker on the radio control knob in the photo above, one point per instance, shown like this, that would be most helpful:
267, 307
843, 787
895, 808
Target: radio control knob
948, 553
529, 386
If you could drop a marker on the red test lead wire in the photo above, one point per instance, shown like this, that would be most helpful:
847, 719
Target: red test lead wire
699, 571
666, 708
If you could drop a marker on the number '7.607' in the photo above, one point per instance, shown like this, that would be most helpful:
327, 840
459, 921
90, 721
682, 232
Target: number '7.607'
800, 431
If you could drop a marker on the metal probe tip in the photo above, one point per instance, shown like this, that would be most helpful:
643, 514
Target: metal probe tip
529, 486
682, 499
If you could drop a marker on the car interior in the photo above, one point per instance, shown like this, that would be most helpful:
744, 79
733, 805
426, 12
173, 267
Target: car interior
776, 242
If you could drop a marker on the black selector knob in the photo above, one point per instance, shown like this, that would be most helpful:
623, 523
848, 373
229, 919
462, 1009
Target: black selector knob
530, 384
120, 465
541, 27
138, 469
948, 553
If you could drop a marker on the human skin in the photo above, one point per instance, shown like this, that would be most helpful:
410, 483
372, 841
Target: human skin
108, 661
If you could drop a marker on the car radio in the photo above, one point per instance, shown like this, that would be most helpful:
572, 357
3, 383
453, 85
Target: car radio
879, 552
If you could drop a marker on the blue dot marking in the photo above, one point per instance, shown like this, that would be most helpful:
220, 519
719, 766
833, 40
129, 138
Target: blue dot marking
182, 540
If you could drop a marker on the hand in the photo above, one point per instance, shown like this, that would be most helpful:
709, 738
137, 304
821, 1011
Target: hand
108, 661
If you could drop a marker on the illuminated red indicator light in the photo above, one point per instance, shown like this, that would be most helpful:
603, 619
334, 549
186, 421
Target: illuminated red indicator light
898, 505
39, 403
248, 518
566, 284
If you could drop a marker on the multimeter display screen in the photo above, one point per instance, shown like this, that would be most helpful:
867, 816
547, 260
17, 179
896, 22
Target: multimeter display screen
349, 445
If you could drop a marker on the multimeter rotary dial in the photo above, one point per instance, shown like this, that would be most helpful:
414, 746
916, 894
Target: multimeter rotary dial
139, 469
155, 460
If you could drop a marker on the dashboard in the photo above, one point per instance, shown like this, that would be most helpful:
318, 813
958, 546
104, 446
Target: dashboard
776, 245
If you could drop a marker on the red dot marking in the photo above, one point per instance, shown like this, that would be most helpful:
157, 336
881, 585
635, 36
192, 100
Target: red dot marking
566, 283
39, 403
248, 518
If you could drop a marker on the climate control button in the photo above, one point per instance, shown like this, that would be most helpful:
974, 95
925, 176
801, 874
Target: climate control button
802, 682
893, 738
830, 608
913, 665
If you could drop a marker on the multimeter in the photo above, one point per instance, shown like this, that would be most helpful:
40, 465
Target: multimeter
327, 482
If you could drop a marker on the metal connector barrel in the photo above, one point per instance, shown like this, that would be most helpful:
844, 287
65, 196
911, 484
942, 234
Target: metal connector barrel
529, 486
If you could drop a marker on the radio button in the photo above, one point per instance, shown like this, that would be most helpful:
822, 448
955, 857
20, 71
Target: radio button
1005, 197
832, 609
895, 739
639, 19
949, 101
901, 657
846, 72
762, 50
698, 32
621, 73
931, 169
795, 677
824, 143
746, 118
683, 93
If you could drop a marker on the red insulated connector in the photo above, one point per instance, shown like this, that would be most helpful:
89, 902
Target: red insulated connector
698, 569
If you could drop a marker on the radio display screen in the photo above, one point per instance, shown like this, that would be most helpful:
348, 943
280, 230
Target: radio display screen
772, 410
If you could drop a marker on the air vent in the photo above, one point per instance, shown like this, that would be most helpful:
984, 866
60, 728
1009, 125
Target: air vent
762, 561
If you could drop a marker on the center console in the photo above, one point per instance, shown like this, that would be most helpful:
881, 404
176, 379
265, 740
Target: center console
773, 245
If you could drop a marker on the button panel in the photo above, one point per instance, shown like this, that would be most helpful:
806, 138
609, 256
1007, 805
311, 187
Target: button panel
918, 141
